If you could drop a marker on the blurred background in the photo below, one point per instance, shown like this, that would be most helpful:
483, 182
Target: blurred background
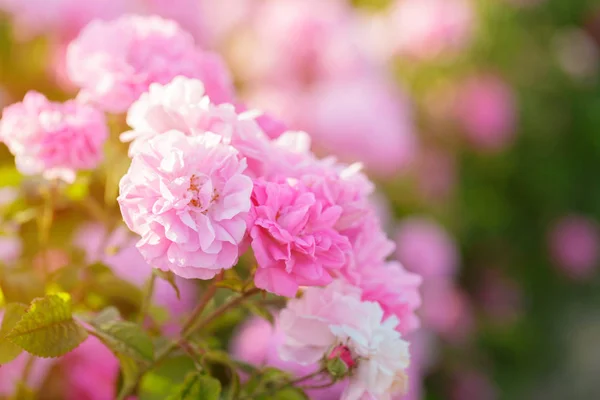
478, 119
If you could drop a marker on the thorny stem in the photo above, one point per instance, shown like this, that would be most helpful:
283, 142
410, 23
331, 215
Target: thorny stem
193, 326
293, 382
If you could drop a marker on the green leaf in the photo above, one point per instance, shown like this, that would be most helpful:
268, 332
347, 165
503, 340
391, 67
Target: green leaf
197, 387
158, 383
12, 314
129, 374
47, 329
170, 278
21, 286
123, 337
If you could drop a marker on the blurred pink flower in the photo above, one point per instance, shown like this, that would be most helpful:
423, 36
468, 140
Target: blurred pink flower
53, 139
486, 109
115, 62
50, 260
10, 249
324, 43
574, 243
294, 238
188, 198
327, 317
445, 310
62, 18
257, 342
90, 371
361, 119
11, 373
425, 29
424, 247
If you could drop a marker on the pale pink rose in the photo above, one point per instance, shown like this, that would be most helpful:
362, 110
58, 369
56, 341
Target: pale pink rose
188, 198
325, 318
325, 43
486, 109
574, 243
425, 29
395, 290
257, 342
115, 62
183, 105
424, 247
117, 250
445, 310
53, 139
91, 372
187, 13
361, 119
270, 125
294, 238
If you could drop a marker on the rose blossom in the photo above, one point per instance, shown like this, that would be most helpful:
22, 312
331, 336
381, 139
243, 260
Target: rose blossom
294, 238
486, 109
183, 105
325, 318
425, 247
114, 62
364, 119
53, 139
257, 342
395, 290
188, 198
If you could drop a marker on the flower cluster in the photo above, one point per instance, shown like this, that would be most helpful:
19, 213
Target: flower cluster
210, 180
56, 139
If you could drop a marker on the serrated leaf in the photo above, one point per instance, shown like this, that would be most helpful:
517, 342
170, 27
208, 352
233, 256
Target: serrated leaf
197, 387
170, 278
109, 314
127, 338
12, 314
21, 286
260, 311
47, 329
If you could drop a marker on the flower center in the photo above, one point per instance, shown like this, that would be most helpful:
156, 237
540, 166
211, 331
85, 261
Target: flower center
343, 353
202, 195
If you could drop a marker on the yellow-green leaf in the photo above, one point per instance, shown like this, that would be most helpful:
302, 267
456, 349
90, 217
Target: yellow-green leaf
197, 387
12, 314
126, 338
47, 329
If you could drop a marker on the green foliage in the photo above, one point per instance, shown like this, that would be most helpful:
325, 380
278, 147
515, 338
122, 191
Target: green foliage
123, 337
48, 329
197, 387
12, 314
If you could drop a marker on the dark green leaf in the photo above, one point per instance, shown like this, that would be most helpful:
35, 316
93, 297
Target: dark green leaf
197, 387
